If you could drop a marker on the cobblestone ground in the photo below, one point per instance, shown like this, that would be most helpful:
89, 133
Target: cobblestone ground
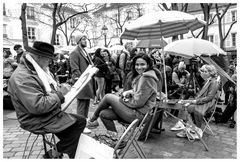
158, 146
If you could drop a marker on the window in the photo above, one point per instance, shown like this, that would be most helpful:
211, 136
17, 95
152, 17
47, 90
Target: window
234, 15
73, 22
57, 39
234, 39
210, 38
211, 18
30, 13
118, 32
4, 9
31, 33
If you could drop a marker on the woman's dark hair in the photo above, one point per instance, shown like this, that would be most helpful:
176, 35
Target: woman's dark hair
97, 53
109, 55
145, 57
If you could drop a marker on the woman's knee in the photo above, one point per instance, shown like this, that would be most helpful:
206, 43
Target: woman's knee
102, 114
109, 97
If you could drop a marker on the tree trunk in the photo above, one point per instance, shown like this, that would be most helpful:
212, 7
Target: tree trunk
206, 12
24, 26
54, 27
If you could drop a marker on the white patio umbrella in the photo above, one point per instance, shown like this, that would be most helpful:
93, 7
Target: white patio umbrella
197, 47
161, 24
193, 47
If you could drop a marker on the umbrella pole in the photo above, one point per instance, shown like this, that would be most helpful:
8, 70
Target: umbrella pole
164, 73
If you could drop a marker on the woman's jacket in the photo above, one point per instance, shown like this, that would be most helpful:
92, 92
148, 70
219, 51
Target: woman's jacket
145, 88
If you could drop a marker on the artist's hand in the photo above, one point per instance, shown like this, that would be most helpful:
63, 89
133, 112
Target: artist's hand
64, 88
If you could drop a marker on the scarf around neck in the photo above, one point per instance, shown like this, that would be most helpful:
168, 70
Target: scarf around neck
44, 76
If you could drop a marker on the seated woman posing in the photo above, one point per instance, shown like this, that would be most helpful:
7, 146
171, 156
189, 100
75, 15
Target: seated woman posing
134, 103
205, 100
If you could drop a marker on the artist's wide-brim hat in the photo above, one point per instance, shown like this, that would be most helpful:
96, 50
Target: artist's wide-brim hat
42, 49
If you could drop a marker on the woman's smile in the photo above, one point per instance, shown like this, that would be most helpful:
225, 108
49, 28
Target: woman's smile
141, 65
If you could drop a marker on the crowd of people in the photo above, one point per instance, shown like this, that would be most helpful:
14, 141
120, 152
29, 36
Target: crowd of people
36, 76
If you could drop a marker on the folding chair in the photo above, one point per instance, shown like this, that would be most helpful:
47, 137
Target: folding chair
150, 120
208, 119
49, 142
130, 135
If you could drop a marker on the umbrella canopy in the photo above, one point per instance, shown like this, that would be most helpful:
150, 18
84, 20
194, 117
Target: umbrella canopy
161, 24
193, 47
151, 43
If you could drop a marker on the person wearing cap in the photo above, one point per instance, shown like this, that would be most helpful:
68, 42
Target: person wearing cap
37, 99
19, 51
79, 61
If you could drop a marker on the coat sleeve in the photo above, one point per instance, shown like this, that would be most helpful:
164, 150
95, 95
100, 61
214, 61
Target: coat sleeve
146, 87
34, 99
74, 64
210, 95
100, 64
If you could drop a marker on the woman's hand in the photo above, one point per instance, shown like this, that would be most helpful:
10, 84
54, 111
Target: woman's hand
127, 93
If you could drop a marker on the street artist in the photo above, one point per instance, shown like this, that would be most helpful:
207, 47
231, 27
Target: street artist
37, 99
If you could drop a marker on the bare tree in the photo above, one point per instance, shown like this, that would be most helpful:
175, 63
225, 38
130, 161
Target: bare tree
220, 17
61, 15
120, 19
59, 19
24, 26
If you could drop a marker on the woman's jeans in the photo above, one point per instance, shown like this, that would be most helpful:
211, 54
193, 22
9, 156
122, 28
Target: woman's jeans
110, 109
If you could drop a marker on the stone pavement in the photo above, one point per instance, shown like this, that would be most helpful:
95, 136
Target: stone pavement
158, 146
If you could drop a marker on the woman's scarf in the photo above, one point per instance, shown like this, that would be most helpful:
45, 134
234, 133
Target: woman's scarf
44, 76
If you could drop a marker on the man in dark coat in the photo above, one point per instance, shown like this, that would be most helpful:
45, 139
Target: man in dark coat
37, 99
79, 61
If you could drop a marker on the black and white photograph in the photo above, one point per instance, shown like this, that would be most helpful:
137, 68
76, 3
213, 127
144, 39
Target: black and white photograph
119, 80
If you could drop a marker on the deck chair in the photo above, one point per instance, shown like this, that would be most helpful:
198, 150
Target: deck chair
129, 135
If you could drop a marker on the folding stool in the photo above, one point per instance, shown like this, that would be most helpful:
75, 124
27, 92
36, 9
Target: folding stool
47, 142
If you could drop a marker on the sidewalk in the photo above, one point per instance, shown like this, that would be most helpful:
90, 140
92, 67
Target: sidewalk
158, 146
